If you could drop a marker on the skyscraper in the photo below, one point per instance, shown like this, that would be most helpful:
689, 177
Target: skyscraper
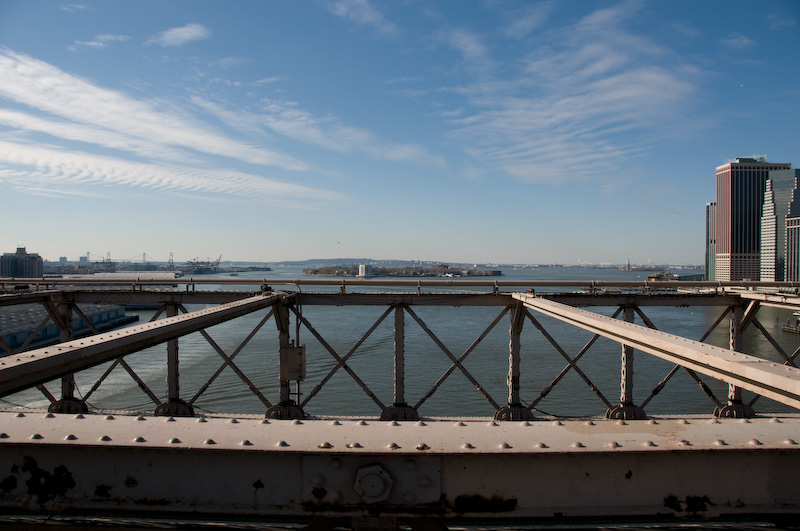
793, 235
741, 185
711, 240
779, 193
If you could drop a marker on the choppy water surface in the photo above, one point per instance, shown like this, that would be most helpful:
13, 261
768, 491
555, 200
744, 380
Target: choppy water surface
457, 328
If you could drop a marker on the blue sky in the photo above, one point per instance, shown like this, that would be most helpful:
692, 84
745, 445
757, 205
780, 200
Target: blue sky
483, 131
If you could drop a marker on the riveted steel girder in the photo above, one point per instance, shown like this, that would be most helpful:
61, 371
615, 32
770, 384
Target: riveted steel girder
764, 377
32, 367
662, 468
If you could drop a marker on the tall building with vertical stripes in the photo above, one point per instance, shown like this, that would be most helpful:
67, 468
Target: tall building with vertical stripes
792, 238
741, 185
711, 240
780, 191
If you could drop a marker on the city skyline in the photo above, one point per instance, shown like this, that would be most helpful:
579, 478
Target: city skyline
481, 132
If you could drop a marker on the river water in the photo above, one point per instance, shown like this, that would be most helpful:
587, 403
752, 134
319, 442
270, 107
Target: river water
457, 328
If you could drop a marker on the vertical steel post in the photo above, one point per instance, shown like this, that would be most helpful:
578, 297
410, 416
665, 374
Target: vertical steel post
399, 410
286, 408
174, 406
514, 410
399, 356
626, 408
735, 408
626, 380
173, 373
67, 403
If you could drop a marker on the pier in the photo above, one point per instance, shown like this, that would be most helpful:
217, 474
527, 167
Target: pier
295, 461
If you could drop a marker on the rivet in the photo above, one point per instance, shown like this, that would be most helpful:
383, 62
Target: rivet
744, 421
684, 442
613, 444
70, 437
49, 416
19, 415
649, 443
336, 423
174, 440
393, 446
141, 418
776, 420
325, 445
201, 420
683, 421
492, 423
558, 423
720, 442
505, 446
524, 423
714, 421
394, 423
105, 438
354, 445
468, 446
787, 441
139, 439
621, 423
589, 423
578, 444
459, 423
170, 419
3, 436
109, 417
754, 442
233, 421
421, 423
541, 445
361, 423
423, 446
209, 441
282, 444
652, 422
246, 443
265, 421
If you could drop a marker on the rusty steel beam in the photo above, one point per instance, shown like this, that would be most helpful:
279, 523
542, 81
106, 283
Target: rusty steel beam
764, 377
24, 370
665, 468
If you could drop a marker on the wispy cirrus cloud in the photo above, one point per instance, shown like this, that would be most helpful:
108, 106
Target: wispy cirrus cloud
150, 126
35, 169
100, 41
581, 108
153, 144
364, 13
180, 36
290, 120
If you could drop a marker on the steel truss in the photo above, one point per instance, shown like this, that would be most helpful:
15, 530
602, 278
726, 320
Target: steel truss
398, 466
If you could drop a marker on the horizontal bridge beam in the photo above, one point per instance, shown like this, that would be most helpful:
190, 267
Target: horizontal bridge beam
32, 367
764, 377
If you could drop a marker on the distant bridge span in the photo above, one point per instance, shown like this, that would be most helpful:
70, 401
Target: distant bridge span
74, 464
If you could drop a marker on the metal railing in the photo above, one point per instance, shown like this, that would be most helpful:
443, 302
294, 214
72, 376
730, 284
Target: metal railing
404, 320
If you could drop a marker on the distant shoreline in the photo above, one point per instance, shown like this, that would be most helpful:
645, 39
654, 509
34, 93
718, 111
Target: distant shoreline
436, 271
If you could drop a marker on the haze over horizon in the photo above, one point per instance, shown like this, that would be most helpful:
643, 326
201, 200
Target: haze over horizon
479, 132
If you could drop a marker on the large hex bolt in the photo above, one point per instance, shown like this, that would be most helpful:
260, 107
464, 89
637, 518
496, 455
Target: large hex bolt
373, 483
